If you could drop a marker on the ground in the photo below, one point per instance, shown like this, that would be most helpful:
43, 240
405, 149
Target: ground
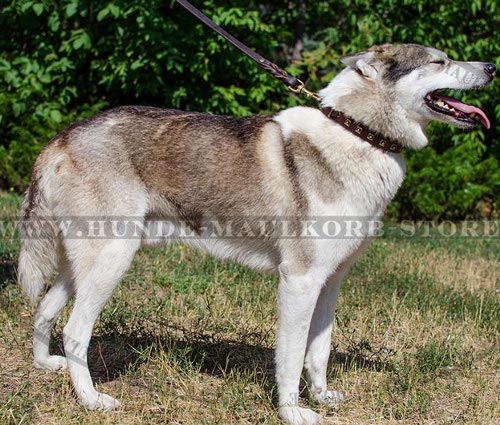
188, 339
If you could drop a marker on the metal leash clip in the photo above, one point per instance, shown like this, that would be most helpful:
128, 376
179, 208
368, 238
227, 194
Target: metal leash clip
301, 89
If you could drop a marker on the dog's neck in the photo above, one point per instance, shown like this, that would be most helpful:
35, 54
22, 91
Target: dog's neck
380, 111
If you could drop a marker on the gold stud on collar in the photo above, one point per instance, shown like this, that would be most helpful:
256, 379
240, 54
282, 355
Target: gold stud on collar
358, 129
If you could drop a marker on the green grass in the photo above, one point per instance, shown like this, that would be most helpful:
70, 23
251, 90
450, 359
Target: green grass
188, 339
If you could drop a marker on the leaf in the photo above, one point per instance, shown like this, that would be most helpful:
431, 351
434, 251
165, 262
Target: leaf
71, 9
56, 116
38, 8
26, 6
54, 22
136, 64
4, 65
83, 40
18, 108
102, 14
114, 9
45, 78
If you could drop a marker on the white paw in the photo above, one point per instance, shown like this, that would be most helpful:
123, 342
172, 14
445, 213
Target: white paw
329, 397
100, 401
51, 363
296, 415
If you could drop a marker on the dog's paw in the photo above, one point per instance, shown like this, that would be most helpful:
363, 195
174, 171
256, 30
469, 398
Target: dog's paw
51, 363
296, 415
329, 397
100, 401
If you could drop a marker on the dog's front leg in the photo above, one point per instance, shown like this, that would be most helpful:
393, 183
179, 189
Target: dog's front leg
297, 298
318, 343
320, 334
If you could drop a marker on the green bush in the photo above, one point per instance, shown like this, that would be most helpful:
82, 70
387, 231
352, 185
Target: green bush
60, 62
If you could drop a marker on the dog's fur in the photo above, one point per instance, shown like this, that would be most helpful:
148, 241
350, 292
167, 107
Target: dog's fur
186, 168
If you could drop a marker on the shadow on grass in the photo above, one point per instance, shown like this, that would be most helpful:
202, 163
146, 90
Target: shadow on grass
354, 360
112, 355
8, 271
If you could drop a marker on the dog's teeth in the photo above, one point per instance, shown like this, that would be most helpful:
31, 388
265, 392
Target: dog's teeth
473, 115
442, 104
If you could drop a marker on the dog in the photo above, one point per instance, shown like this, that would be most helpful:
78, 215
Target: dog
180, 172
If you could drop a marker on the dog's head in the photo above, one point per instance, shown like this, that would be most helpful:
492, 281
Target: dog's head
402, 85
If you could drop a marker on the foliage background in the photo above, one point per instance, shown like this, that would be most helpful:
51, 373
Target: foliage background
60, 62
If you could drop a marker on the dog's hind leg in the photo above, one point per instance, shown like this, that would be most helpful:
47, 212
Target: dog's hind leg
103, 271
48, 311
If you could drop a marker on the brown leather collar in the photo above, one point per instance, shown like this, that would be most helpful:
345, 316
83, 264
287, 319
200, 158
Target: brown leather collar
362, 131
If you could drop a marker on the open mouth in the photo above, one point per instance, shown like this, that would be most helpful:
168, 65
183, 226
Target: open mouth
459, 111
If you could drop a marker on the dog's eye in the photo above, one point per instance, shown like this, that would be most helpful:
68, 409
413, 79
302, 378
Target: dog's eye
439, 62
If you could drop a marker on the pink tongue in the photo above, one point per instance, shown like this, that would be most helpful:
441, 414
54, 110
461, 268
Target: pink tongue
468, 109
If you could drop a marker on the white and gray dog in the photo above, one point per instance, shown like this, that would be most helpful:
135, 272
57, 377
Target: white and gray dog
186, 169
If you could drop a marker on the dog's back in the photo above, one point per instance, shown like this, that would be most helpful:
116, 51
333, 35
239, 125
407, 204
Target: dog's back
141, 163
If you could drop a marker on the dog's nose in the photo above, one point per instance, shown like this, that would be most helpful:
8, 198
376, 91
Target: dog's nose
490, 69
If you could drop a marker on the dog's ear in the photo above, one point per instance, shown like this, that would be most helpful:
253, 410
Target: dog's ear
363, 63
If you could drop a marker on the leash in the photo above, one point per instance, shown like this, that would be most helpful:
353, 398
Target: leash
292, 83
297, 86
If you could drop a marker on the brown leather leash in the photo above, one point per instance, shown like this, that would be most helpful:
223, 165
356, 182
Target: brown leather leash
297, 86
294, 84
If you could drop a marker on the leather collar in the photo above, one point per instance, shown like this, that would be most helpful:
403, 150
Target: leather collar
362, 131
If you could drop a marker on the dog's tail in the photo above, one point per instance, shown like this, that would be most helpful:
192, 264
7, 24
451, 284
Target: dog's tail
38, 258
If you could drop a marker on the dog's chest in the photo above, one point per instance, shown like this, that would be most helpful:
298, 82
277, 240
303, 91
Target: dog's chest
352, 185
336, 172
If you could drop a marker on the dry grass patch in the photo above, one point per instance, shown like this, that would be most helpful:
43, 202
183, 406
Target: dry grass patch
471, 273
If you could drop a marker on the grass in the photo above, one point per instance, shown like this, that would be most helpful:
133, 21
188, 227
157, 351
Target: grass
188, 339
